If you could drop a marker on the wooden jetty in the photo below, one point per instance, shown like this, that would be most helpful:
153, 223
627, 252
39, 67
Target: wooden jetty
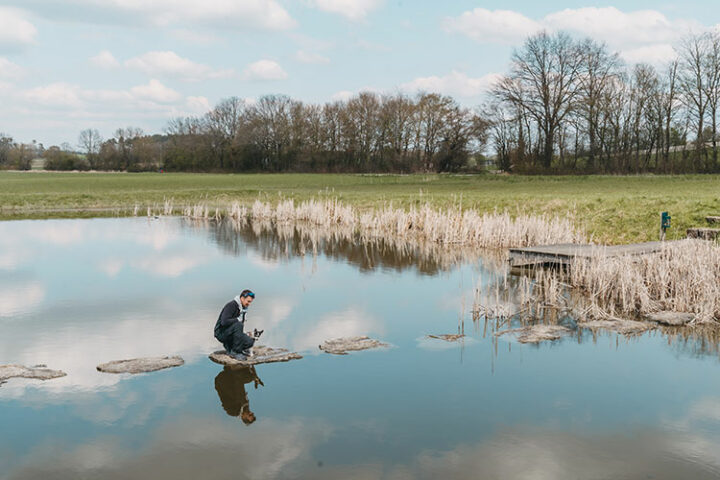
565, 253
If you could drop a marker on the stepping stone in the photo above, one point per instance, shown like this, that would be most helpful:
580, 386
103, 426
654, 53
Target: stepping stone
140, 365
671, 318
703, 233
625, 327
341, 346
537, 333
448, 337
261, 354
38, 372
712, 219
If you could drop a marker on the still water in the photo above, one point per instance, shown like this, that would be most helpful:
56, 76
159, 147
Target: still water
76, 293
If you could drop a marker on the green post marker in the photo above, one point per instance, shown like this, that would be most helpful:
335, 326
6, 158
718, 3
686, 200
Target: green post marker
664, 224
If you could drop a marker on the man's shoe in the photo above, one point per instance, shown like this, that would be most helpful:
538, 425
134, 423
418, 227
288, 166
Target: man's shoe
247, 353
238, 356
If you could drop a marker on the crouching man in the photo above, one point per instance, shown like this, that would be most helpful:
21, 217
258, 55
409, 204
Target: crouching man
230, 327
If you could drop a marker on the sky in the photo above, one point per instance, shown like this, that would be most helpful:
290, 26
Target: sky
70, 65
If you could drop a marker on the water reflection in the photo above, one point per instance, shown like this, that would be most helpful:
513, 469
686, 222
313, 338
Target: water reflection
230, 387
282, 241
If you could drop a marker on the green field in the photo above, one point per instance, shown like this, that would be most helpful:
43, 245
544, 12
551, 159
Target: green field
614, 209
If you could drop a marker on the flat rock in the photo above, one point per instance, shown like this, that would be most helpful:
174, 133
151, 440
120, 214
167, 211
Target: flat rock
448, 337
341, 346
625, 327
712, 219
261, 354
39, 372
537, 333
671, 318
140, 365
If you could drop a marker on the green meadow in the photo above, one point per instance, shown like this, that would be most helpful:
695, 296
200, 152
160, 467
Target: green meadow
612, 209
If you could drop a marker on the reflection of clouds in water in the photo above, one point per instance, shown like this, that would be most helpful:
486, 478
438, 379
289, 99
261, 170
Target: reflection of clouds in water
193, 447
347, 323
60, 232
77, 348
187, 448
20, 298
111, 266
262, 263
170, 265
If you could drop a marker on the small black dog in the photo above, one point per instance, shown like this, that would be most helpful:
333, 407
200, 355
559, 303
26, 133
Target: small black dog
257, 333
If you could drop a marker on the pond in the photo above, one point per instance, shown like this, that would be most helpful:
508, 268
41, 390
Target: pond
77, 293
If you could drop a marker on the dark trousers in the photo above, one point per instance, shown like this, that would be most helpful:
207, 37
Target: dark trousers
233, 338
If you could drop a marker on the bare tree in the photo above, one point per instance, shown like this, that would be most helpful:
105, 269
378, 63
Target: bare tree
543, 82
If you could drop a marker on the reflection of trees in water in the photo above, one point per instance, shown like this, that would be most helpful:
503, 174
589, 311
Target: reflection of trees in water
276, 242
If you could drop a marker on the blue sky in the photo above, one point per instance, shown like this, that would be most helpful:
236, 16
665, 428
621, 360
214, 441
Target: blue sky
70, 65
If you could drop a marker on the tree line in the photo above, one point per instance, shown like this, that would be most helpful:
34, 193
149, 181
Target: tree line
566, 105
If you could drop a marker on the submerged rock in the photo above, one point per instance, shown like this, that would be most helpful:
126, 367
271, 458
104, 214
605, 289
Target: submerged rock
448, 337
671, 318
625, 327
261, 354
38, 372
537, 333
140, 365
341, 346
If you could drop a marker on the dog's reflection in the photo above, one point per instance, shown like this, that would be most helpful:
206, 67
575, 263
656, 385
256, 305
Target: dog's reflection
230, 386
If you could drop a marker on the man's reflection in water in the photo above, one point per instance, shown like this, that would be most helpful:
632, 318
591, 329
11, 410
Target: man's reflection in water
230, 386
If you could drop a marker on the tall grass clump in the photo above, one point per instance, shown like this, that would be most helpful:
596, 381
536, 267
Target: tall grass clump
453, 226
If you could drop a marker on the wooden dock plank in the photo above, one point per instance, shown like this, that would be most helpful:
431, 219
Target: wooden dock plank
564, 253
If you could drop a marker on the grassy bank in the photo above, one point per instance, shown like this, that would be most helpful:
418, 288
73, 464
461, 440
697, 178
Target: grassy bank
609, 208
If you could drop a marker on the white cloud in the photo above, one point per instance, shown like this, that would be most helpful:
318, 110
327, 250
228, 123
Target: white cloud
351, 9
492, 26
627, 32
197, 105
342, 96
265, 70
455, 83
15, 32
155, 92
169, 63
653, 54
311, 58
9, 70
233, 14
619, 28
55, 95
105, 59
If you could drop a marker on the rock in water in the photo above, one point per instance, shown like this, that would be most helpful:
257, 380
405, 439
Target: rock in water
537, 333
341, 346
11, 371
261, 354
140, 365
671, 318
625, 327
448, 337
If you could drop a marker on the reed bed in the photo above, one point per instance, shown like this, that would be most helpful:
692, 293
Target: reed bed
453, 226
683, 276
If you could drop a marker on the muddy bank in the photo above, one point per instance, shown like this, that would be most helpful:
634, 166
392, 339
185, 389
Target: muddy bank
536, 333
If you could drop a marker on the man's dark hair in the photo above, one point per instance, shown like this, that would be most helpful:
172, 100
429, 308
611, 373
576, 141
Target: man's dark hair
246, 293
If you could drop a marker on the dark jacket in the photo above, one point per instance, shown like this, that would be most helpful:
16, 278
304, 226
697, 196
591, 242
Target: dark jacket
232, 312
